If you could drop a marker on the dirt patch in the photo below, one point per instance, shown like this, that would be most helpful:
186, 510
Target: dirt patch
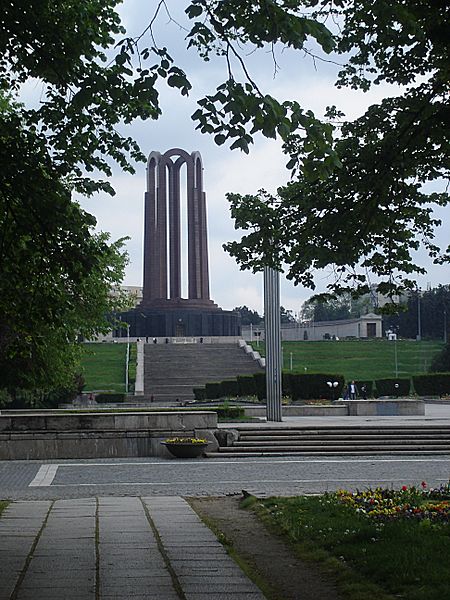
285, 576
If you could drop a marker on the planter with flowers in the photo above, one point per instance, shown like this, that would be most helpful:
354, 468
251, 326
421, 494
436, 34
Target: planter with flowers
185, 447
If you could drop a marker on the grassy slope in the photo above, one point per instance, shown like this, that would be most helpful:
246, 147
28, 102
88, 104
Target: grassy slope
359, 359
104, 366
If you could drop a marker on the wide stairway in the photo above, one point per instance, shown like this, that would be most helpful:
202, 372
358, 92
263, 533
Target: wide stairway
171, 371
340, 440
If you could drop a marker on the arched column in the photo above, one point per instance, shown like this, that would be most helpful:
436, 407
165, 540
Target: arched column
162, 229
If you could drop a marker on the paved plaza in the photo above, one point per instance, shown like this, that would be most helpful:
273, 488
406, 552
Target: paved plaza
121, 528
110, 548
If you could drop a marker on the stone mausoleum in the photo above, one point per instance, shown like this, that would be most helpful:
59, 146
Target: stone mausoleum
163, 312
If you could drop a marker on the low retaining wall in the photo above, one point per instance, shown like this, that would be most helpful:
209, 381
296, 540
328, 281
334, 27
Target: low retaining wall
384, 408
98, 435
303, 410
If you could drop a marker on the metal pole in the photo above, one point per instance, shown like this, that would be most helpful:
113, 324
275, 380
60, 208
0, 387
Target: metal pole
395, 354
290, 361
419, 323
273, 343
127, 358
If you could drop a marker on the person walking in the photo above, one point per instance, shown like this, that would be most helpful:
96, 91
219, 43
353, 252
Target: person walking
352, 390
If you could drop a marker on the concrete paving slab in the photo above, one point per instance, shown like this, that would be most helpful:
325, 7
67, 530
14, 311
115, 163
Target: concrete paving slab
111, 548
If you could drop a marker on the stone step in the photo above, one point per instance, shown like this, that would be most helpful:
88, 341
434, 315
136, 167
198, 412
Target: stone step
323, 453
327, 437
335, 448
343, 443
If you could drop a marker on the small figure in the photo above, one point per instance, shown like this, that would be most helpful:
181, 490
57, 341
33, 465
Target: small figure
352, 390
364, 391
155, 341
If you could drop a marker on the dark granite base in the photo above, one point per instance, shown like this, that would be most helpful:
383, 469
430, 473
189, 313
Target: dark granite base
145, 322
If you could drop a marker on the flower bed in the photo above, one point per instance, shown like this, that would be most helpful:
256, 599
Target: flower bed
407, 503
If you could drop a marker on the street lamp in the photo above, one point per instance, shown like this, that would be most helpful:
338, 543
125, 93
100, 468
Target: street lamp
333, 385
127, 358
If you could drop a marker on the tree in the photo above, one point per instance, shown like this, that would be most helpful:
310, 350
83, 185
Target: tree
434, 308
441, 362
55, 274
248, 316
357, 194
373, 209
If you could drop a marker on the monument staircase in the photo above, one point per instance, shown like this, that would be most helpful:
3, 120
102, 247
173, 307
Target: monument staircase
360, 440
171, 371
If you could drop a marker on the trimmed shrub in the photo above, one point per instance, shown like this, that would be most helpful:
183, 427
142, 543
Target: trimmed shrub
314, 386
107, 398
213, 390
286, 384
369, 388
246, 385
392, 387
434, 384
229, 387
229, 412
199, 393
260, 382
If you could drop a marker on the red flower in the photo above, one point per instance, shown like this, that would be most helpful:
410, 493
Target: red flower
424, 484
404, 488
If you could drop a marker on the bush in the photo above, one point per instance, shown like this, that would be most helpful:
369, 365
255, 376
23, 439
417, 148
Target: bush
107, 398
229, 387
392, 387
260, 383
436, 384
213, 390
246, 385
314, 386
229, 412
369, 388
199, 393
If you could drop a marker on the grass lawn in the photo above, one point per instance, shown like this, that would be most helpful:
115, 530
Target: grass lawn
104, 366
377, 547
359, 359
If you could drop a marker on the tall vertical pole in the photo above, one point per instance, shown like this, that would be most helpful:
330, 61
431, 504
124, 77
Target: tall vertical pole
419, 323
273, 343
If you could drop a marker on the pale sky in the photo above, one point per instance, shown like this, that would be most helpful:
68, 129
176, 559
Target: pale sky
225, 170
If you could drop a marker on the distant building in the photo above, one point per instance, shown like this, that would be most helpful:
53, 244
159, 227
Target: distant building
367, 326
134, 293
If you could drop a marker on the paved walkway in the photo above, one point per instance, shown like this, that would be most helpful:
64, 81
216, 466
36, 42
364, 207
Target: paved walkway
108, 548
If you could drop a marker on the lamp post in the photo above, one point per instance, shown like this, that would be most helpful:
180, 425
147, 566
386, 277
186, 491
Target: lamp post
127, 358
333, 385
419, 320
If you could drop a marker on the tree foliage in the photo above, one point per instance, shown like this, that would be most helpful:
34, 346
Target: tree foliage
55, 274
375, 209
434, 308
357, 195
248, 316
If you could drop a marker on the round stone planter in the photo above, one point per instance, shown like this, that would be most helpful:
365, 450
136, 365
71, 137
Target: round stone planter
185, 449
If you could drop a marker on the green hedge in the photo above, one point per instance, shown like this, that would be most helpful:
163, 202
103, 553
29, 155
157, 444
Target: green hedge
213, 390
199, 393
229, 412
229, 388
433, 384
246, 385
260, 383
369, 388
314, 386
392, 387
107, 398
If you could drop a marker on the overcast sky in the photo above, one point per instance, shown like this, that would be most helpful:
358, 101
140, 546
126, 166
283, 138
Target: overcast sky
225, 170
